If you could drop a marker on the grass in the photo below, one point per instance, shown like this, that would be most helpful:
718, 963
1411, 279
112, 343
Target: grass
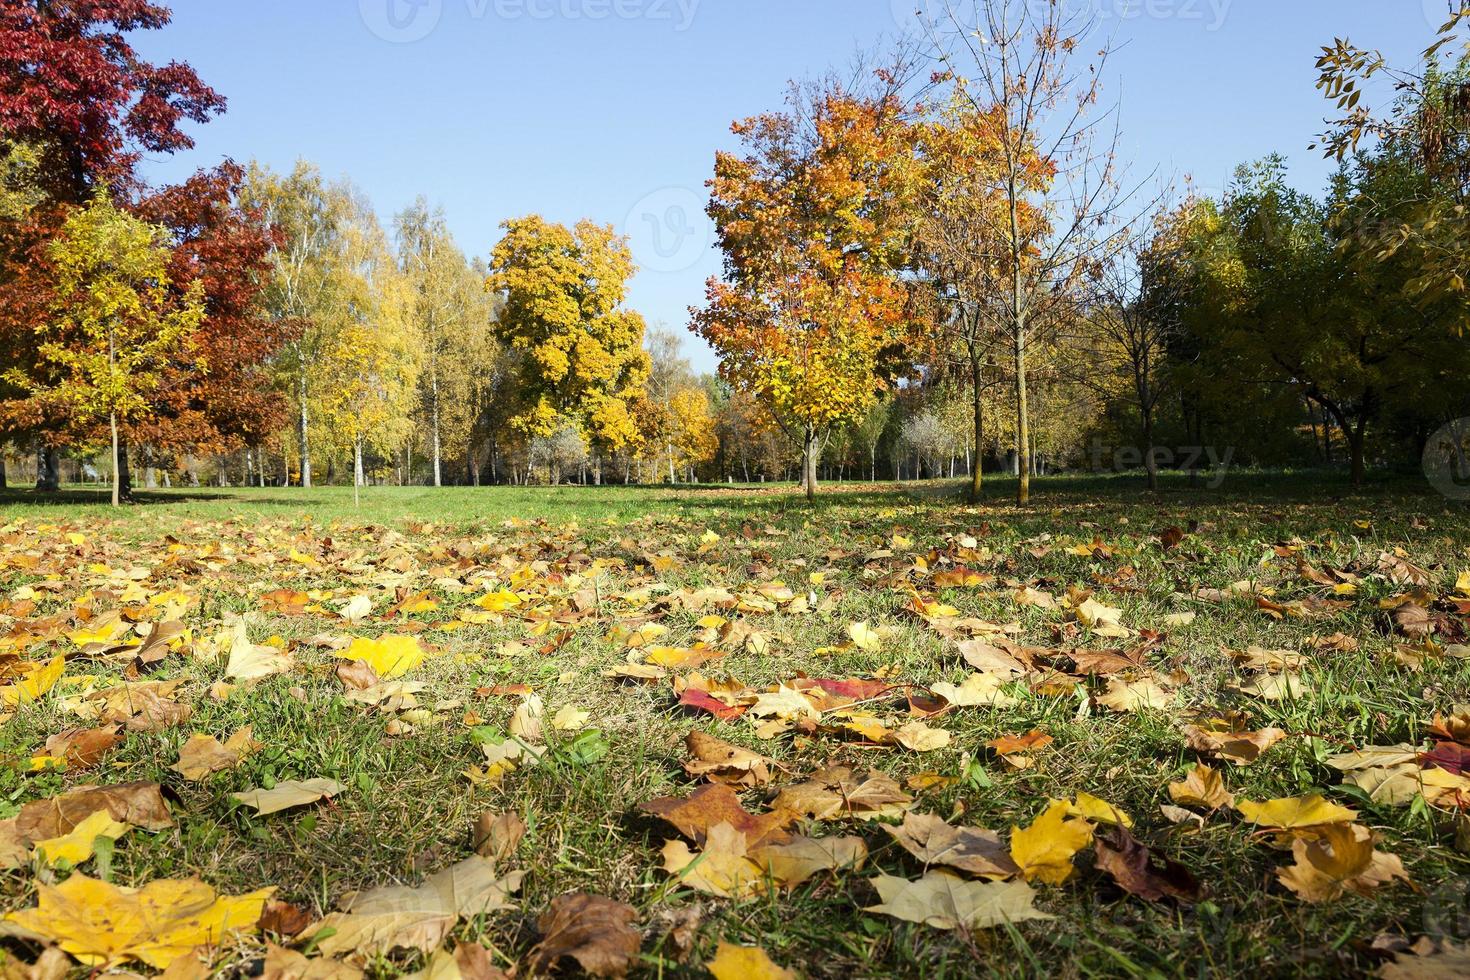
408, 809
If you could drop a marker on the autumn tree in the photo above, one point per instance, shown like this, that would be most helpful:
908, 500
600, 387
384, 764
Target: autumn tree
305, 217
76, 92
578, 350
365, 385
965, 248
114, 321
815, 218
223, 246
1016, 64
452, 320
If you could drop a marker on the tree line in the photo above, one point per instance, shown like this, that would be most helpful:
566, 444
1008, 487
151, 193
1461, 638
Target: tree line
935, 265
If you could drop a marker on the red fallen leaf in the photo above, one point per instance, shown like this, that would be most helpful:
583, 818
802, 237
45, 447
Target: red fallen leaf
1171, 538
1450, 756
855, 688
704, 701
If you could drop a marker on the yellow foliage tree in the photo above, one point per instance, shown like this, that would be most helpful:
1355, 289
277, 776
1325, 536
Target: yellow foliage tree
115, 322
578, 350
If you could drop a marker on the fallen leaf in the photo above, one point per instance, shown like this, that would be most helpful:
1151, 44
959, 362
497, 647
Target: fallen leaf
1293, 812
105, 925
721, 762
138, 805
203, 755
970, 849
289, 793
596, 932
945, 901
1202, 787
390, 657
498, 835
715, 804
79, 844
1139, 871
733, 962
1044, 851
1339, 859
802, 858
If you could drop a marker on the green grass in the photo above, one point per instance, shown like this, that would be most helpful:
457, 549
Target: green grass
408, 809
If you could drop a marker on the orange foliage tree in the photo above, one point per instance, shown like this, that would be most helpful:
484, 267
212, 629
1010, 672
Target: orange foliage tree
815, 218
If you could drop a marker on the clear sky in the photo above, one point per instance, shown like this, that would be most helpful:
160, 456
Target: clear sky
613, 109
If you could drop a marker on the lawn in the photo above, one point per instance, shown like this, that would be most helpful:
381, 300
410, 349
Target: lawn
549, 652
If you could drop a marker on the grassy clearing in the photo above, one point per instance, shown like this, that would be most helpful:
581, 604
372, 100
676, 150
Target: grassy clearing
408, 809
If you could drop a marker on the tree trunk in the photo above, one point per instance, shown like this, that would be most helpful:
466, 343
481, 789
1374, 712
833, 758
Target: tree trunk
357, 473
1150, 461
3, 483
124, 471
434, 423
48, 469
809, 464
116, 469
302, 433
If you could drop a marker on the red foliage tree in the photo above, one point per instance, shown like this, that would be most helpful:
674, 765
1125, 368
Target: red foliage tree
74, 88
231, 403
72, 85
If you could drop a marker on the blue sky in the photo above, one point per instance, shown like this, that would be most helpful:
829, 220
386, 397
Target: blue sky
613, 109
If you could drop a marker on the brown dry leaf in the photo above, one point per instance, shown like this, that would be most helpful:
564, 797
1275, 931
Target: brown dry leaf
721, 762
203, 755
289, 793
1339, 859
1139, 871
1228, 739
1126, 697
287, 964
398, 916
139, 805
836, 794
992, 657
1202, 787
498, 835
716, 804
970, 849
284, 919
945, 901
802, 858
720, 868
357, 675
53, 964
1429, 960
596, 932
81, 748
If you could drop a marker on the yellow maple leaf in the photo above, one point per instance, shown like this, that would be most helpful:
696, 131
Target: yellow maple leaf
390, 657
1044, 851
733, 962
104, 925
864, 637
1089, 807
499, 601
1295, 811
37, 679
81, 843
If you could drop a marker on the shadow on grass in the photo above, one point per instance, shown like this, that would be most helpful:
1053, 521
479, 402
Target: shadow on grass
75, 497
